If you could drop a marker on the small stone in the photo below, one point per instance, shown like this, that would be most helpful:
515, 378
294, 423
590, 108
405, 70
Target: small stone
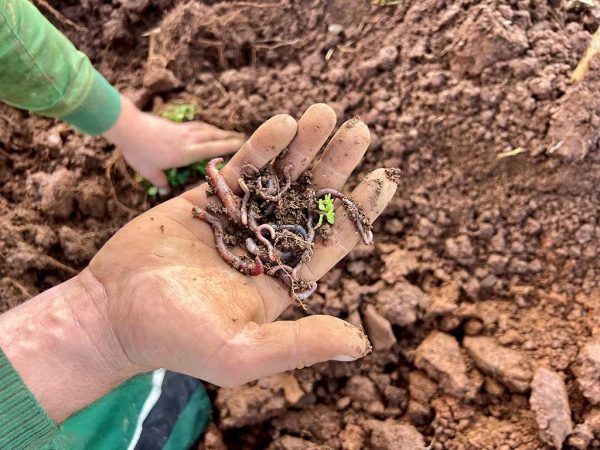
473, 327
55, 191
420, 387
588, 371
160, 79
391, 434
77, 248
443, 299
585, 233
507, 365
379, 329
402, 304
440, 356
334, 28
461, 250
550, 403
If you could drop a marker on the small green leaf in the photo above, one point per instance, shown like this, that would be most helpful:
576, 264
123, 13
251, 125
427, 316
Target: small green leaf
152, 191
320, 221
330, 217
183, 112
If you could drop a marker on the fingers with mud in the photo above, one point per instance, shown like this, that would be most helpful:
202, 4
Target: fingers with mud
372, 194
271, 348
342, 155
264, 145
314, 128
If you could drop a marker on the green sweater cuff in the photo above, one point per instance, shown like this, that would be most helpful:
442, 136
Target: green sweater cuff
99, 110
23, 422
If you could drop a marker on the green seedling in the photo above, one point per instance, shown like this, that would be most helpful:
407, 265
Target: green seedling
179, 112
326, 210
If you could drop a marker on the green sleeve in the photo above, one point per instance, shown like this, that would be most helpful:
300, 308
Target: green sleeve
41, 70
23, 422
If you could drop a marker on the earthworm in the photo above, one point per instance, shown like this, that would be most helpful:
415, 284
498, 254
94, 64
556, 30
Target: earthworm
287, 173
366, 235
257, 229
247, 268
220, 187
253, 168
309, 224
312, 287
252, 247
298, 229
244, 207
296, 271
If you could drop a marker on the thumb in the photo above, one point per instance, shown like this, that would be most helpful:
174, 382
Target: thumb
285, 345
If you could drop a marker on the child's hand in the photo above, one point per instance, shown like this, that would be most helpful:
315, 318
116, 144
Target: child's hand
151, 144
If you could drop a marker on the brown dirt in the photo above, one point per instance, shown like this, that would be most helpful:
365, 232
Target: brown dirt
496, 259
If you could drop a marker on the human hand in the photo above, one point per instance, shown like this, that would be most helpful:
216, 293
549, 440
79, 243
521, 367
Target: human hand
159, 295
173, 302
151, 144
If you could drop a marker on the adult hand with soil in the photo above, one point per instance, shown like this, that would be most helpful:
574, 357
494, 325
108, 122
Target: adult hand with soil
151, 144
159, 295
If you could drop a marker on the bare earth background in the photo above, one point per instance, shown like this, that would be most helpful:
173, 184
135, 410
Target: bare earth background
485, 268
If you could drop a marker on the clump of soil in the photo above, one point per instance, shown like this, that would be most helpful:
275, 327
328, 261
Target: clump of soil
286, 211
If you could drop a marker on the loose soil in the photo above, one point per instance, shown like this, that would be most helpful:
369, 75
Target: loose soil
480, 295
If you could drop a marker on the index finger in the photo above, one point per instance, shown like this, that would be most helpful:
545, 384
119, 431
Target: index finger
264, 145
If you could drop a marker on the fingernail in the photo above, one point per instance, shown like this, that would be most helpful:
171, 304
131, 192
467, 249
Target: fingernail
344, 358
163, 192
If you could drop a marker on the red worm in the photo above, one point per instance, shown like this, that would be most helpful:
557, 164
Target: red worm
366, 235
221, 188
244, 207
253, 268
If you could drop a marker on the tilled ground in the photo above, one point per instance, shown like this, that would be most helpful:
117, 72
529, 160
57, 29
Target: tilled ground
480, 296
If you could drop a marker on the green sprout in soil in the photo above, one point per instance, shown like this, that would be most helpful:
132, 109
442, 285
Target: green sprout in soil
179, 112
326, 210
177, 177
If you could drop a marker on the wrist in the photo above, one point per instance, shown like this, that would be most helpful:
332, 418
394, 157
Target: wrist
62, 345
126, 124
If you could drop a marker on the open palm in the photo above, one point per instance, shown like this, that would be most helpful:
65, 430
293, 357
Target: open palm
174, 303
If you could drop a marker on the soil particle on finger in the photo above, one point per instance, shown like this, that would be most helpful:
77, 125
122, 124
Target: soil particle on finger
550, 403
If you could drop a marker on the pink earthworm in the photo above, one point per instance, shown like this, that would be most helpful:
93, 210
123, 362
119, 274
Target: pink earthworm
247, 268
257, 230
297, 229
222, 190
244, 207
252, 247
366, 235
287, 173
